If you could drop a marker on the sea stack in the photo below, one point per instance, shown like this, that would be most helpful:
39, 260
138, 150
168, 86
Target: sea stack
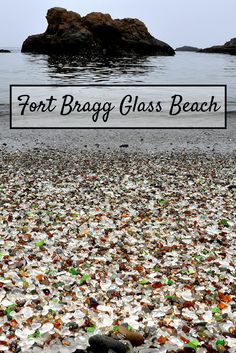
94, 34
227, 48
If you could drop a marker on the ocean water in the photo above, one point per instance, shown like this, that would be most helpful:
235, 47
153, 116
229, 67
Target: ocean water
183, 68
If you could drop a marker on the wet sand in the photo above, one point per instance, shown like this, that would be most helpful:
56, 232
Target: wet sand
148, 141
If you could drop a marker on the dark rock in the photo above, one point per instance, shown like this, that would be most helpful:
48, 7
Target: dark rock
227, 48
94, 34
124, 146
4, 51
231, 187
187, 48
102, 344
79, 351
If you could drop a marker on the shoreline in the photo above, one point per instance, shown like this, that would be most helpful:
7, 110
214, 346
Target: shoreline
139, 140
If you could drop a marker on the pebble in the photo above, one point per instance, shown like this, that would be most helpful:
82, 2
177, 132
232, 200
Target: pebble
47, 327
147, 241
232, 187
135, 338
102, 344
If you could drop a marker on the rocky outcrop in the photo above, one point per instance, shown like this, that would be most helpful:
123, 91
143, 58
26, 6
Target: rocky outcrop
227, 48
94, 34
4, 51
187, 48
101, 343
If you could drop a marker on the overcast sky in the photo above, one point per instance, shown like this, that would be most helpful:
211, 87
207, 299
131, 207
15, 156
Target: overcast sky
199, 23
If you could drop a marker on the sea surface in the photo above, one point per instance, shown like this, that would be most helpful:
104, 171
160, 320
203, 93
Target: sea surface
183, 68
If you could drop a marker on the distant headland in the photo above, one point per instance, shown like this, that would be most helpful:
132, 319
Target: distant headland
4, 51
94, 34
227, 48
187, 48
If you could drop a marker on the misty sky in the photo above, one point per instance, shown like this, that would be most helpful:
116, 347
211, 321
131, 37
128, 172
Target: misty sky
199, 23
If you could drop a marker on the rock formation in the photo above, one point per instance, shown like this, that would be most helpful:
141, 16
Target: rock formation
4, 51
94, 34
187, 48
227, 48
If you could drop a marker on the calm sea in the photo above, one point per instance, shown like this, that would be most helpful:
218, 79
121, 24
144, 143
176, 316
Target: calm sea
183, 68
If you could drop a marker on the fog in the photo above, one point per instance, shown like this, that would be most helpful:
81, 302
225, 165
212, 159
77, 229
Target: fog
199, 23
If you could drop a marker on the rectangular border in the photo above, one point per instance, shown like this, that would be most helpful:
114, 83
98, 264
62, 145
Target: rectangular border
121, 128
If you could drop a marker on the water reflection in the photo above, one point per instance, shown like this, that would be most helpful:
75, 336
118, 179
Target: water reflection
80, 69
183, 68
